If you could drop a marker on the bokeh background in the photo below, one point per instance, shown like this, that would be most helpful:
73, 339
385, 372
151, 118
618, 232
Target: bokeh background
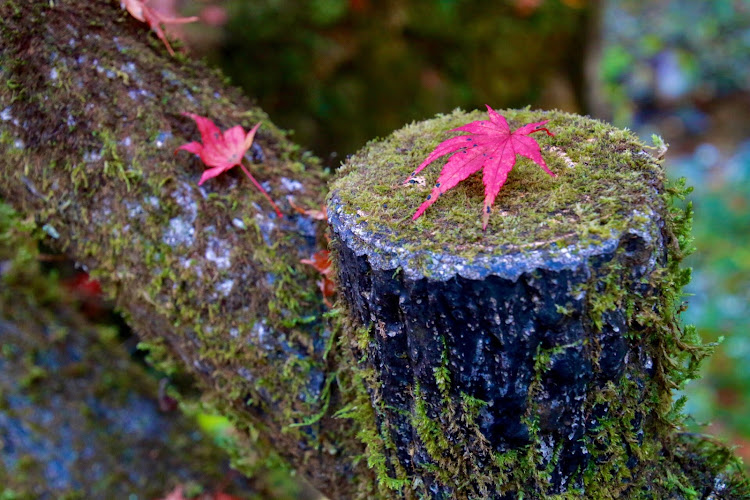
341, 72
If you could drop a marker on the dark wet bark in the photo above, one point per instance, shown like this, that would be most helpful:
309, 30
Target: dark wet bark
500, 336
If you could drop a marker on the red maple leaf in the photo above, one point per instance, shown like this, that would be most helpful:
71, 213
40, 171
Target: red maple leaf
321, 260
222, 151
145, 14
492, 146
88, 292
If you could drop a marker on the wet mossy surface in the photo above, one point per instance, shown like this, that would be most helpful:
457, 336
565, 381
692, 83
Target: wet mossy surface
208, 276
605, 182
78, 417
537, 359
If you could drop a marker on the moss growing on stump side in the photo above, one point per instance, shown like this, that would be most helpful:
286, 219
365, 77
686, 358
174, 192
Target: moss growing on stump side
536, 359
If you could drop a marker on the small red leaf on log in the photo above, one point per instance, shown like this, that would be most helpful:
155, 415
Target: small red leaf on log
145, 14
223, 150
321, 261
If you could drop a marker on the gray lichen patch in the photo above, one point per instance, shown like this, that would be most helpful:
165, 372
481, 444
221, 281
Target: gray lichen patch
606, 186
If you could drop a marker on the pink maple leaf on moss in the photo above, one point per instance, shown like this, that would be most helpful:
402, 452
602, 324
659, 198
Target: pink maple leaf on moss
223, 150
145, 14
491, 146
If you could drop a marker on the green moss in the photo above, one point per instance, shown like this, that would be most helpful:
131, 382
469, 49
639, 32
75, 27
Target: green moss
602, 179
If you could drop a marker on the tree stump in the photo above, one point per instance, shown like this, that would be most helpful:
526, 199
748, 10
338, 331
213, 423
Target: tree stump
538, 356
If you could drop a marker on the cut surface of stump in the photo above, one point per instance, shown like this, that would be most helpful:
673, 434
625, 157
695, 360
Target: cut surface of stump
530, 357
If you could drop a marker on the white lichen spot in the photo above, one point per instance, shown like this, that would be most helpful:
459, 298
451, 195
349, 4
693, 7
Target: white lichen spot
53, 74
92, 156
234, 332
225, 288
563, 156
182, 195
5, 114
219, 252
547, 448
179, 232
162, 139
70, 121
291, 185
18, 144
238, 223
266, 226
134, 209
153, 201
51, 231
128, 68
260, 333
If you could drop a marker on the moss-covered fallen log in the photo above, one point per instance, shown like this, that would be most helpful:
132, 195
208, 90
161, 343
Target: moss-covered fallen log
90, 117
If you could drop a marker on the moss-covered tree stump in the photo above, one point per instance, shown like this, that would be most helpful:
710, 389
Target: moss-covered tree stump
537, 357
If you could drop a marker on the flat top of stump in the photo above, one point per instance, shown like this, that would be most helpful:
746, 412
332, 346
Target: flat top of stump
606, 185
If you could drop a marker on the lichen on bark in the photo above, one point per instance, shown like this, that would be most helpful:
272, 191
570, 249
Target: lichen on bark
90, 119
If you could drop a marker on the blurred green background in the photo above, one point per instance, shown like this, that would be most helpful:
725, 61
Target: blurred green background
341, 72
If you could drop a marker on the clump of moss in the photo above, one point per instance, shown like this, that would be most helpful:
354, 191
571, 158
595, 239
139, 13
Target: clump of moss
603, 176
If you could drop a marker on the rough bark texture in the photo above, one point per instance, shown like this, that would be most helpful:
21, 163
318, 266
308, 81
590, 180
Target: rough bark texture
90, 109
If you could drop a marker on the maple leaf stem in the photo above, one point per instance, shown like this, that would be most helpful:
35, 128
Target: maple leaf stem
278, 212
540, 129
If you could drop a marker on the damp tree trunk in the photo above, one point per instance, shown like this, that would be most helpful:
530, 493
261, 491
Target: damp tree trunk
537, 357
